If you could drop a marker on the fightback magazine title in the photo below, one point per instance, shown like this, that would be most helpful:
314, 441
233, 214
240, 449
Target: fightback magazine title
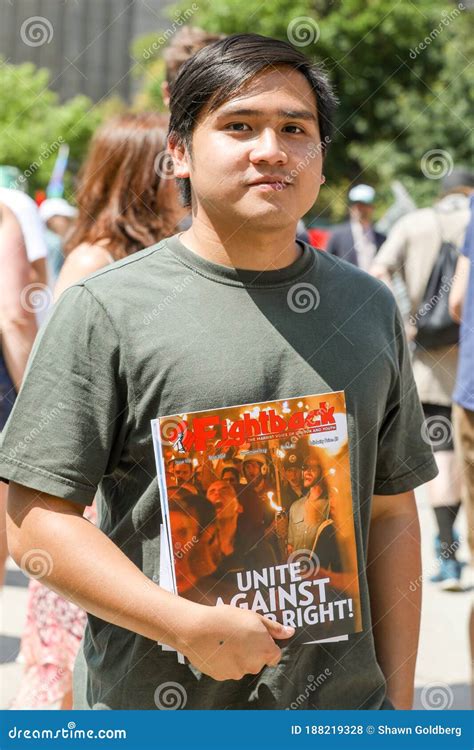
257, 511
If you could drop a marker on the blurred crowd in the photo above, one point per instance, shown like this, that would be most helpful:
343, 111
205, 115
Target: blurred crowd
124, 202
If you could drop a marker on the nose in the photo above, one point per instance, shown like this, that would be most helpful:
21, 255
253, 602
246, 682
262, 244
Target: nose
268, 149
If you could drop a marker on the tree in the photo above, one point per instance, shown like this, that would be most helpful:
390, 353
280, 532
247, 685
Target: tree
34, 123
390, 89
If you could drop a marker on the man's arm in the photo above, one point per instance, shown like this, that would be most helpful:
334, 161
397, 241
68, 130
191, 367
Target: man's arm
458, 291
82, 564
394, 576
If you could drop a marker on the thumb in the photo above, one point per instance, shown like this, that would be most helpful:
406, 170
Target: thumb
276, 629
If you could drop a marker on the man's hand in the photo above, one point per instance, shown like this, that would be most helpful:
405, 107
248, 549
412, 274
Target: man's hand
227, 643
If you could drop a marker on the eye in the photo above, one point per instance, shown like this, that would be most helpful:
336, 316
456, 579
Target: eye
237, 127
293, 129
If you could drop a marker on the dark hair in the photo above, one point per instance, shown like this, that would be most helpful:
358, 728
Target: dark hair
219, 70
196, 506
118, 188
233, 469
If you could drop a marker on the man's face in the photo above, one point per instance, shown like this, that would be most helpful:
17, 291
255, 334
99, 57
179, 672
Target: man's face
252, 471
182, 473
227, 508
230, 478
311, 473
268, 131
362, 211
293, 475
185, 533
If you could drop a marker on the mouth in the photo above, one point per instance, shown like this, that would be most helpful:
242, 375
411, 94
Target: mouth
270, 183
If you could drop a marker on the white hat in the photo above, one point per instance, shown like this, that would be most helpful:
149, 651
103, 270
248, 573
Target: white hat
56, 207
362, 194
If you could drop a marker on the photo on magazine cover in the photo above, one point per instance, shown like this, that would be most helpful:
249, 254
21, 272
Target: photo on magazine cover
257, 505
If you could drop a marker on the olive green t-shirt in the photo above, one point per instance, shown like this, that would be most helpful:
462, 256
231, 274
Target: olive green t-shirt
167, 332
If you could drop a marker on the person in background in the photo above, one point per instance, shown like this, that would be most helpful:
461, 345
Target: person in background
26, 212
22, 282
124, 205
461, 307
183, 45
17, 333
412, 249
356, 240
58, 217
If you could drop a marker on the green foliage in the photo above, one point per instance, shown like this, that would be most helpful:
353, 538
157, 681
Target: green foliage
34, 123
397, 101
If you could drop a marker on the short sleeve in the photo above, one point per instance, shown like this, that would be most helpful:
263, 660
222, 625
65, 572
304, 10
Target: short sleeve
27, 215
69, 413
404, 454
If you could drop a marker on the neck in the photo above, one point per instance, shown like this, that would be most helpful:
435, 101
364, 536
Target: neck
242, 247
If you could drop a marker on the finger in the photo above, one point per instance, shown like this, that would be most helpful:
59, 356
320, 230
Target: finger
275, 659
276, 629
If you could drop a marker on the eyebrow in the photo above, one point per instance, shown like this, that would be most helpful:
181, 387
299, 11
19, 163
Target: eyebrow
285, 114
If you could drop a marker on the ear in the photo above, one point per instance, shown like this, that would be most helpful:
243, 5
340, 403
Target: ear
180, 156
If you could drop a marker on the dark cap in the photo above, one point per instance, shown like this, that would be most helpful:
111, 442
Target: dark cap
292, 460
459, 177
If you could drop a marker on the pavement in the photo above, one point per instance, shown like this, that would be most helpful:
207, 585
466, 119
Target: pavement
443, 669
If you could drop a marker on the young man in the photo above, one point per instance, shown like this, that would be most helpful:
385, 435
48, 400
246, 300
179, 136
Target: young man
249, 124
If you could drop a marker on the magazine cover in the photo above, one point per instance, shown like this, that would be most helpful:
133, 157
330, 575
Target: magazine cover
257, 511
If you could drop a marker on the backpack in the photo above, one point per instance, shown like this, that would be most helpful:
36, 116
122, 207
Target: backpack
435, 327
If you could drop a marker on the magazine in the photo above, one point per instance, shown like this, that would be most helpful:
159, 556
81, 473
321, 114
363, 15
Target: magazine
257, 512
